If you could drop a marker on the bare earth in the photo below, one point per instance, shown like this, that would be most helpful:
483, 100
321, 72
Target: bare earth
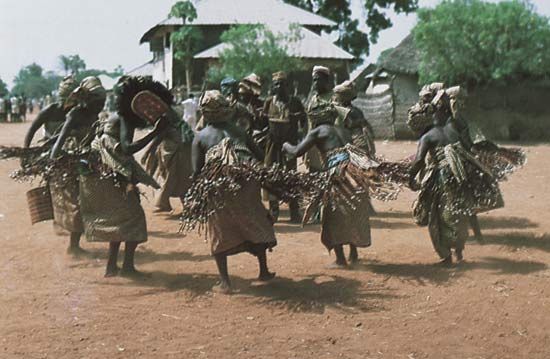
396, 304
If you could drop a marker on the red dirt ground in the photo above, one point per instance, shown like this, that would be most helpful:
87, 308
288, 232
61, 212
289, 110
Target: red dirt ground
396, 304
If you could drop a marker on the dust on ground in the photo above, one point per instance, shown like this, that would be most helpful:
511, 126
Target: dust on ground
395, 304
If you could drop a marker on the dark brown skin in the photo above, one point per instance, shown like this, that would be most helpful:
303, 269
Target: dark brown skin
321, 83
213, 134
207, 138
285, 132
462, 128
86, 116
442, 134
327, 138
130, 147
52, 113
78, 117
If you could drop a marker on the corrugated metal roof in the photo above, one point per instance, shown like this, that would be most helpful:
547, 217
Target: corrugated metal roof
144, 70
311, 46
231, 12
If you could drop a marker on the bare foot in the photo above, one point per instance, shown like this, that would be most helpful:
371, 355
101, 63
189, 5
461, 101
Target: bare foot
76, 251
222, 288
459, 255
266, 277
447, 262
133, 273
112, 272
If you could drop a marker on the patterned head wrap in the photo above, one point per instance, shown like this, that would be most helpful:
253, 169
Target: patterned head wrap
89, 92
320, 70
345, 92
324, 113
215, 107
251, 84
441, 100
66, 87
428, 92
279, 76
456, 96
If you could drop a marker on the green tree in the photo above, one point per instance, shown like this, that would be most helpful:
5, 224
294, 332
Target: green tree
118, 71
72, 64
253, 48
33, 82
187, 40
375, 17
3, 88
472, 42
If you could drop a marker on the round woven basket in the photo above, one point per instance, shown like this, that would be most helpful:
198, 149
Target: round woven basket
40, 204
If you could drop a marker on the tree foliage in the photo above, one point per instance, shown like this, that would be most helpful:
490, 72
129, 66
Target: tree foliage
254, 48
33, 82
3, 88
72, 64
187, 40
472, 42
375, 17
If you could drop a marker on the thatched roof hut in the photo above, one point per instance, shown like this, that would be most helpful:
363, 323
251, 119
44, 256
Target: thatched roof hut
404, 59
392, 90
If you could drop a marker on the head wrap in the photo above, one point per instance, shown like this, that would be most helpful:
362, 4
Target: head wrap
215, 107
428, 92
456, 99
228, 82
420, 118
89, 92
251, 84
441, 99
279, 76
345, 92
66, 87
324, 113
321, 70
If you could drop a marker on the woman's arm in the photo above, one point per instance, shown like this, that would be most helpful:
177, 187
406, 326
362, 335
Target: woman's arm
38, 122
197, 156
68, 126
419, 160
127, 136
300, 149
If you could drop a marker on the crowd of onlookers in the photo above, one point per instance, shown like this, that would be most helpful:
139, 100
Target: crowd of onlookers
16, 108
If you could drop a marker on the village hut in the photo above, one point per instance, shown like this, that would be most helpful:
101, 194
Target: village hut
216, 16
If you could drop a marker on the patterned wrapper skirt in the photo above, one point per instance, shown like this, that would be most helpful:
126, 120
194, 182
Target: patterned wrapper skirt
242, 223
66, 206
111, 213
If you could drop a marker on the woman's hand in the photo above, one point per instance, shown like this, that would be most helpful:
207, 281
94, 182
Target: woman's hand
161, 124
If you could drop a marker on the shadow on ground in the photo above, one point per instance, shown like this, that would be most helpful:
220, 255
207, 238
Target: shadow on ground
490, 222
517, 240
423, 274
312, 294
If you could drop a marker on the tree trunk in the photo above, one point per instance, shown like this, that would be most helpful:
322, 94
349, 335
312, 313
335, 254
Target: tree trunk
188, 77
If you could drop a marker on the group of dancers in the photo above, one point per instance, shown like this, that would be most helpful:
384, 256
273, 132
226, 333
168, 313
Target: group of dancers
243, 148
